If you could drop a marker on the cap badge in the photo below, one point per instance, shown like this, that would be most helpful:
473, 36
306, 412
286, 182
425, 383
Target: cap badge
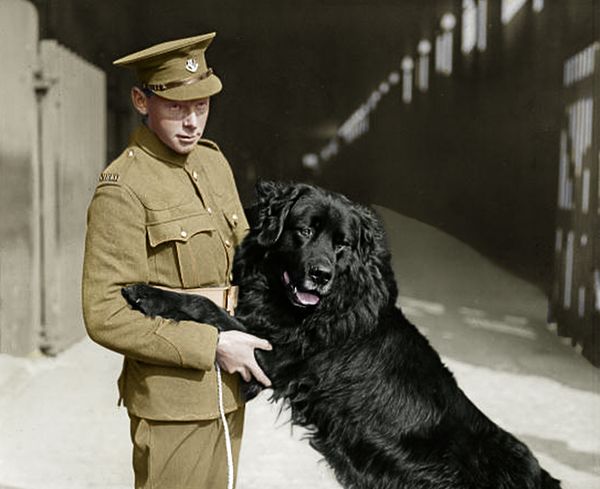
191, 65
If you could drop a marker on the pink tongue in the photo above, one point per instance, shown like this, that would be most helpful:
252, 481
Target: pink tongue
304, 298
307, 299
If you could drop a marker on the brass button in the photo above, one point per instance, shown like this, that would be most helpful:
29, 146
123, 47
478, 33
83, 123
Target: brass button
234, 218
195, 175
183, 234
130, 153
209, 210
227, 243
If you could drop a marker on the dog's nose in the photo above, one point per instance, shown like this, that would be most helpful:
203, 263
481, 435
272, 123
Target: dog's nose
320, 275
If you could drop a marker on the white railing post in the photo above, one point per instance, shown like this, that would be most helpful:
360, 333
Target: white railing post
407, 77
443, 45
424, 48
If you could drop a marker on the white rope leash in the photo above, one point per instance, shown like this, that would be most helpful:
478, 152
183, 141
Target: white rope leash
225, 428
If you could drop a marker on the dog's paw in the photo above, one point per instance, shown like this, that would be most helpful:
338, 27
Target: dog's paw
250, 390
141, 297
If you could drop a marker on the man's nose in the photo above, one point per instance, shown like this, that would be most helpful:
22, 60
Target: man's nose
191, 119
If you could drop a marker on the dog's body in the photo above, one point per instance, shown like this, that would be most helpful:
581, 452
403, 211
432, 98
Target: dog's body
316, 281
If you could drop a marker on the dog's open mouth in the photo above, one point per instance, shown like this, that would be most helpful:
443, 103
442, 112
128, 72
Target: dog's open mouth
298, 297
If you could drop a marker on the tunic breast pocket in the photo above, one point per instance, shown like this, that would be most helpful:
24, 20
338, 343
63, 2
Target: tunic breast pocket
186, 251
237, 224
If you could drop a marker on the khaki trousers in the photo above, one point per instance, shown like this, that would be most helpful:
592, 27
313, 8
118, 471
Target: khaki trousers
184, 454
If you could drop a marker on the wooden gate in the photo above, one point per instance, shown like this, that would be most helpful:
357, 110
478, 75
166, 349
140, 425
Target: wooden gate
73, 148
52, 148
19, 178
576, 291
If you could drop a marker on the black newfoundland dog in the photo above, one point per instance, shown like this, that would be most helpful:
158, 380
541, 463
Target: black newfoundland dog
316, 281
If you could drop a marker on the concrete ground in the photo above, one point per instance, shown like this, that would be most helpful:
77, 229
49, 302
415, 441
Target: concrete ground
60, 427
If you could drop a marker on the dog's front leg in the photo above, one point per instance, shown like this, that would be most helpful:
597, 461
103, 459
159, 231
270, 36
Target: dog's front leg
180, 307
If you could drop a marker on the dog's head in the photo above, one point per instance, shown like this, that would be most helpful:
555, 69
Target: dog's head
327, 252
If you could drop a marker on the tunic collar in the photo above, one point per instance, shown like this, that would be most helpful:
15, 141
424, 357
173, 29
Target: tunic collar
151, 144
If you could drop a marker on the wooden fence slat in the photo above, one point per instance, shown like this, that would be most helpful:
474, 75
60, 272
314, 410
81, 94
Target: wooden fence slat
575, 291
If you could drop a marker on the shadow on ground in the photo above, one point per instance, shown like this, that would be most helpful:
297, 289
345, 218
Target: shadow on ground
475, 312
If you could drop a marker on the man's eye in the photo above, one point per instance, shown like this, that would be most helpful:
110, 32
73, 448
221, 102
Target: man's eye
306, 232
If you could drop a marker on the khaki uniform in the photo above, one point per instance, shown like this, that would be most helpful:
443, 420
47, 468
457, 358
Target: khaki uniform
173, 220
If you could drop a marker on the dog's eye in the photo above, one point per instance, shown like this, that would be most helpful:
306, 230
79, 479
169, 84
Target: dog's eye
305, 232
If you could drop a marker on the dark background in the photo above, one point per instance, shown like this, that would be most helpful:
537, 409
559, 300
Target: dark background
476, 156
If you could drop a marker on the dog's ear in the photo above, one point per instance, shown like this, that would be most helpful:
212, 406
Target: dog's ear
373, 264
275, 199
369, 231
267, 190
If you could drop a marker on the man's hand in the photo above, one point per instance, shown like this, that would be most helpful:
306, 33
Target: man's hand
235, 353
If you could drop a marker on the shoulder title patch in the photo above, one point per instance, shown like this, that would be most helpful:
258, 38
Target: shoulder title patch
108, 177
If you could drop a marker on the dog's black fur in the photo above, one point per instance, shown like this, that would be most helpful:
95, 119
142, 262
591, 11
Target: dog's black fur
316, 281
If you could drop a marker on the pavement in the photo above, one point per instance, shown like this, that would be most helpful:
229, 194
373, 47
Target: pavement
60, 427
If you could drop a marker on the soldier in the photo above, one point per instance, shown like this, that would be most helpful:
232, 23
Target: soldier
166, 212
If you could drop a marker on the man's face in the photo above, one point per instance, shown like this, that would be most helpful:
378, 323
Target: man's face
178, 124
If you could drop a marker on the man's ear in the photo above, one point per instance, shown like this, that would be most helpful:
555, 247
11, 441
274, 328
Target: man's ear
139, 100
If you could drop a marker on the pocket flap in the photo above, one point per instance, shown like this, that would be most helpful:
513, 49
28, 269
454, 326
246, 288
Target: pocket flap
234, 217
180, 229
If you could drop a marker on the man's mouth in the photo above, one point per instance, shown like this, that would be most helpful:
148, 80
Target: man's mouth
185, 138
299, 298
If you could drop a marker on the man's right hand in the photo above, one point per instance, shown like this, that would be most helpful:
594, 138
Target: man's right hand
235, 353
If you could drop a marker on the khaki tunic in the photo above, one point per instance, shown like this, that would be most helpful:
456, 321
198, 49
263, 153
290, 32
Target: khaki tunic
174, 220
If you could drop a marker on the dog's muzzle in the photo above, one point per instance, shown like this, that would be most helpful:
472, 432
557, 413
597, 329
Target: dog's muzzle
301, 298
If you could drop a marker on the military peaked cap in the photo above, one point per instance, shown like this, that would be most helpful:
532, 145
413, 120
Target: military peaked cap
175, 70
